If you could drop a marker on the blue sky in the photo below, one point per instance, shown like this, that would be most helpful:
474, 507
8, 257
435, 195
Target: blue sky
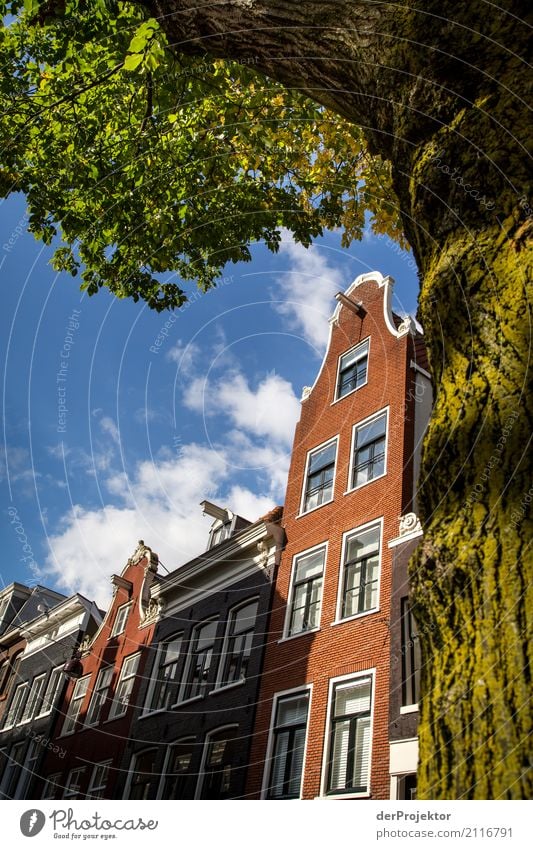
151, 413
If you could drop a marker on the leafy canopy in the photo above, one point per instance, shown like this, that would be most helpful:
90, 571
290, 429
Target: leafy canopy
145, 163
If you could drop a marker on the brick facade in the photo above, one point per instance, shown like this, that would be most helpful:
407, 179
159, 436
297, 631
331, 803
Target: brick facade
342, 646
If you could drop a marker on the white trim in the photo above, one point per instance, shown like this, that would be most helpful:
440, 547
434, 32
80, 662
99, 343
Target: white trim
190, 738
91, 787
145, 709
120, 608
304, 484
406, 538
67, 715
67, 787
94, 691
409, 709
133, 762
288, 610
359, 529
205, 749
111, 716
222, 662
351, 676
355, 428
58, 686
188, 661
337, 398
304, 688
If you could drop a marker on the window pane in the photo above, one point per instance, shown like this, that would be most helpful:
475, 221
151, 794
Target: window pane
310, 565
292, 710
371, 431
323, 457
354, 698
180, 781
363, 544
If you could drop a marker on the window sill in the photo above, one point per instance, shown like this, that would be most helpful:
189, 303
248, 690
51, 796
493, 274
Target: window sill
355, 616
299, 634
335, 797
366, 483
116, 716
225, 687
313, 509
148, 713
409, 709
188, 701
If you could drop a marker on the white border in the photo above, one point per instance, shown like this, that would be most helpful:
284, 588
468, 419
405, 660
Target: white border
305, 553
185, 671
346, 534
351, 676
207, 739
304, 487
305, 688
355, 428
154, 670
170, 746
364, 341
222, 659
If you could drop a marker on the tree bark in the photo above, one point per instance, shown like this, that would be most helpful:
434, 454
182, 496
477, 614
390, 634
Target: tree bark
438, 91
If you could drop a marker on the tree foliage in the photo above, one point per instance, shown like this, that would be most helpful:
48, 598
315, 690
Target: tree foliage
144, 162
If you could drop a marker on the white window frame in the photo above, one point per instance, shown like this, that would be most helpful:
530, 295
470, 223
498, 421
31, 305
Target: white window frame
288, 613
131, 769
119, 622
154, 677
170, 747
364, 342
28, 768
340, 591
70, 791
294, 691
93, 786
355, 428
303, 511
345, 679
12, 770
34, 698
225, 645
189, 661
97, 691
115, 712
201, 772
54, 683
75, 704
53, 779
16, 706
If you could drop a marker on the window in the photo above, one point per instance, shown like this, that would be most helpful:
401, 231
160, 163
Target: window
219, 767
350, 737
319, 476
360, 572
28, 770
99, 779
239, 641
52, 788
34, 698
179, 782
410, 656
120, 620
200, 660
15, 708
125, 686
407, 786
306, 593
353, 367
12, 770
142, 774
55, 682
220, 533
163, 691
369, 440
288, 745
99, 696
76, 701
73, 785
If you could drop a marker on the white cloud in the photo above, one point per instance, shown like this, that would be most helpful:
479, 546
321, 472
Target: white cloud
184, 355
159, 503
307, 289
272, 410
109, 427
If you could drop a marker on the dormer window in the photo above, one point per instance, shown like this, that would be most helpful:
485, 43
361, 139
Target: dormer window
224, 522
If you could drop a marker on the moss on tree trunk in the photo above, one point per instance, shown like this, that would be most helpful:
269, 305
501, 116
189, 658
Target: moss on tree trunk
438, 91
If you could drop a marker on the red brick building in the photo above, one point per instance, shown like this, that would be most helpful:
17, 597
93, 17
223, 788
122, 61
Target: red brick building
94, 727
322, 724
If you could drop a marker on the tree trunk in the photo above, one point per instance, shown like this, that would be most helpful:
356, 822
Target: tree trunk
437, 91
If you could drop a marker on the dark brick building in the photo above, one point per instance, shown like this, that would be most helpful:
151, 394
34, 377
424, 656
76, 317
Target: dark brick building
192, 730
